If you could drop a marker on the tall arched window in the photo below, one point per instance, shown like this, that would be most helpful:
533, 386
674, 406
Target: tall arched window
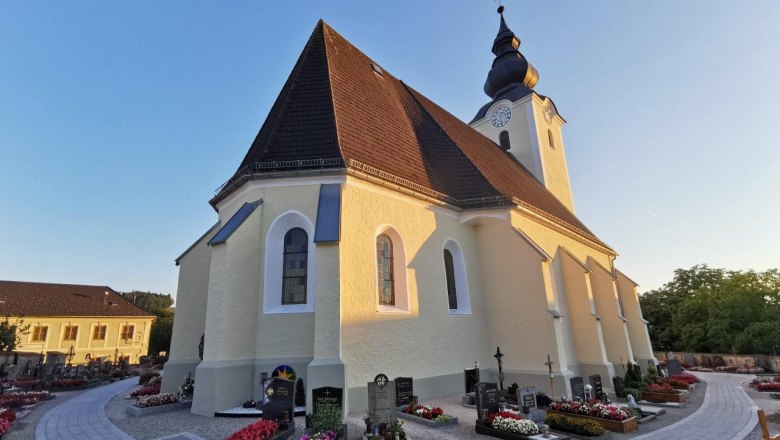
550, 138
296, 252
449, 269
384, 264
503, 139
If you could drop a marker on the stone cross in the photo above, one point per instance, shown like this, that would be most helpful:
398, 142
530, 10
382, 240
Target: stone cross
498, 357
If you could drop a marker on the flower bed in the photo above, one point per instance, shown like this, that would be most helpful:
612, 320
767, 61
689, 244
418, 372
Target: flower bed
8, 414
686, 377
18, 400
769, 386
157, 400
506, 425
25, 383
5, 425
574, 425
622, 426
426, 415
136, 411
599, 410
147, 390
752, 370
264, 430
676, 384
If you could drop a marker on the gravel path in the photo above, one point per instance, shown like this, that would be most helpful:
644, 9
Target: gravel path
24, 429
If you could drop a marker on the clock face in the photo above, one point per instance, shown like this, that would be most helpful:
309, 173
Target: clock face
500, 116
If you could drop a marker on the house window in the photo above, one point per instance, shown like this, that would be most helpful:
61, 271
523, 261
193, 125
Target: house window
296, 253
384, 260
39, 333
99, 333
503, 139
550, 139
71, 331
127, 332
449, 269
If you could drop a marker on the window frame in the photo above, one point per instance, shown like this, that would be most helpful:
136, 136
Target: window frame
35, 335
550, 139
305, 268
461, 278
449, 274
123, 335
381, 262
504, 141
104, 332
66, 333
401, 298
272, 268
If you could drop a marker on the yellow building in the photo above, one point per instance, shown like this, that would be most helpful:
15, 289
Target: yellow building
95, 321
367, 230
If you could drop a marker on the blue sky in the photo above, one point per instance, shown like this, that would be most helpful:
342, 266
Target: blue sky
118, 120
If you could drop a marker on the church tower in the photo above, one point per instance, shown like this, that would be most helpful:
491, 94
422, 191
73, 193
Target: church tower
522, 122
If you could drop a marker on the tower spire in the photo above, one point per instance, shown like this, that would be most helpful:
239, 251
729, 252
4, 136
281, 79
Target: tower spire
510, 69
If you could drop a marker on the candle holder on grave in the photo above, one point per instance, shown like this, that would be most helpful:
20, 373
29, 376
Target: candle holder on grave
526, 410
483, 413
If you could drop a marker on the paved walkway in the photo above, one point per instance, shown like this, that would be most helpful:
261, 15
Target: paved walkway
728, 413
84, 416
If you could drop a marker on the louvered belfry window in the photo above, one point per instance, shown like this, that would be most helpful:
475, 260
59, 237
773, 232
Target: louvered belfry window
384, 263
449, 269
296, 252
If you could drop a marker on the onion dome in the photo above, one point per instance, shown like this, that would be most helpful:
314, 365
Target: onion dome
510, 68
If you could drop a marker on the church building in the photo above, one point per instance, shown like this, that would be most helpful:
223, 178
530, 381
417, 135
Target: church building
367, 230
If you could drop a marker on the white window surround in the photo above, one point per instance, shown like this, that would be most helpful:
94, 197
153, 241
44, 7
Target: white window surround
461, 280
272, 272
400, 287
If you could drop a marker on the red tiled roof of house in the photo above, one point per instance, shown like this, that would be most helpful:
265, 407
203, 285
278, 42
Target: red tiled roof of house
339, 109
20, 298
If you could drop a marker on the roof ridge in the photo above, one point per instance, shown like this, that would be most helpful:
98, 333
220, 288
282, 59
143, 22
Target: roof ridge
58, 284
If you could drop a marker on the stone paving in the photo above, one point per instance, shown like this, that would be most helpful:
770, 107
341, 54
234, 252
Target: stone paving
728, 413
84, 416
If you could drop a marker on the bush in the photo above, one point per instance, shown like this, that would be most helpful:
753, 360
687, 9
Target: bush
327, 418
262, 430
157, 400
146, 376
574, 425
619, 385
633, 391
147, 390
542, 400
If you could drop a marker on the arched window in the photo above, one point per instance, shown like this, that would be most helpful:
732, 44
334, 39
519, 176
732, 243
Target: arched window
384, 263
503, 139
550, 139
449, 269
296, 252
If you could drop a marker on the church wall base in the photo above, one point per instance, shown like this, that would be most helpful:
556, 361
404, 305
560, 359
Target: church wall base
175, 372
220, 385
606, 371
329, 372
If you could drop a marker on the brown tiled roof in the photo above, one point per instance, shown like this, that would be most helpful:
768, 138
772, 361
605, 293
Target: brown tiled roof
338, 109
19, 298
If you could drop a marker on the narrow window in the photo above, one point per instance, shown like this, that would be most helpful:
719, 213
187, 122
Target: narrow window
384, 262
503, 139
71, 331
99, 333
550, 139
127, 332
449, 269
39, 333
296, 252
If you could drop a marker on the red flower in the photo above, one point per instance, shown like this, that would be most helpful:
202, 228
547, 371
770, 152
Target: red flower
262, 430
504, 414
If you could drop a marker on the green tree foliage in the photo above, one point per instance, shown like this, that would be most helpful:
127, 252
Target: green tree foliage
716, 311
11, 333
162, 328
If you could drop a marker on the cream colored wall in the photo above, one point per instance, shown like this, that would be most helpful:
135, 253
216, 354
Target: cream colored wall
556, 172
84, 343
418, 343
189, 321
637, 327
615, 332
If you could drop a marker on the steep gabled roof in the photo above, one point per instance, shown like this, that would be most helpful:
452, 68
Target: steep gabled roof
20, 298
339, 109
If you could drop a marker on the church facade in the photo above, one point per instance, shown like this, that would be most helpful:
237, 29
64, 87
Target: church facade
369, 231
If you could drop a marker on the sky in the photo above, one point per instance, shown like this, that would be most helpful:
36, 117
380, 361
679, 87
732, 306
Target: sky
118, 120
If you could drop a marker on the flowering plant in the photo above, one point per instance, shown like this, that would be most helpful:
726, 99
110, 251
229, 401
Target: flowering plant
662, 388
426, 412
5, 425
685, 377
515, 425
600, 410
25, 383
727, 368
329, 435
157, 400
674, 383
16, 401
262, 430
504, 414
769, 386
8, 414
147, 390
69, 382
754, 370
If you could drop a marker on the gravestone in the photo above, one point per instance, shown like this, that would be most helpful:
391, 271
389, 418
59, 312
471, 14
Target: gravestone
28, 371
595, 381
280, 394
577, 387
487, 398
327, 396
381, 399
471, 376
688, 359
2, 370
706, 361
673, 366
13, 372
404, 391
526, 398
717, 361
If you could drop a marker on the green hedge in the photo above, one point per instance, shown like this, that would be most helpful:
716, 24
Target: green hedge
574, 425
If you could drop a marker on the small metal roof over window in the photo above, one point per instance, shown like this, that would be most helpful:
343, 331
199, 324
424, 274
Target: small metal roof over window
232, 225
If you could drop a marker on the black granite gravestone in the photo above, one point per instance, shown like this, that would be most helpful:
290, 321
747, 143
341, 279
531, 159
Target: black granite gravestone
404, 390
327, 396
577, 387
280, 404
487, 397
471, 376
673, 366
595, 381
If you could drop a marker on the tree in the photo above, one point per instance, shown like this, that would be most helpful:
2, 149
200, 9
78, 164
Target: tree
162, 328
11, 333
717, 311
